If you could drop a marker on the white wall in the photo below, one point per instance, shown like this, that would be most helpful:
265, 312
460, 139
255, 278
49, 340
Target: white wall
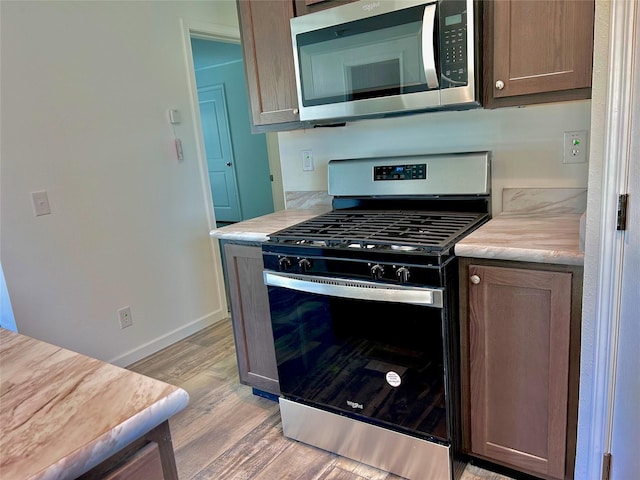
527, 144
85, 91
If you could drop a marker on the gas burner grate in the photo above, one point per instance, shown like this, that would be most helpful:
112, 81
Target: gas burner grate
387, 229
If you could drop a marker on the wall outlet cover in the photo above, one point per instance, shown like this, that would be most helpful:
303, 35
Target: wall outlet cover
576, 147
124, 315
307, 161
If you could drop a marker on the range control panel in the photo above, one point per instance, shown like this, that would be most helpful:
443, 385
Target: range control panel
416, 171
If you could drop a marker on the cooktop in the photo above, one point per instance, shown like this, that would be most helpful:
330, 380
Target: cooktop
392, 229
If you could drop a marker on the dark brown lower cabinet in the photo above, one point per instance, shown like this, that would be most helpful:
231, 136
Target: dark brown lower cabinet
250, 316
520, 350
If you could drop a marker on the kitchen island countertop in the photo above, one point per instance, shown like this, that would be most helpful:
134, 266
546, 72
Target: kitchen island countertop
62, 413
258, 229
526, 237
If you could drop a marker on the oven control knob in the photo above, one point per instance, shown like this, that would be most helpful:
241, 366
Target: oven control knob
377, 271
284, 263
402, 274
304, 264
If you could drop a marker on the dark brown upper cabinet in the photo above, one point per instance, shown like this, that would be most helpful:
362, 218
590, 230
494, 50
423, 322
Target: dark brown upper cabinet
265, 35
537, 51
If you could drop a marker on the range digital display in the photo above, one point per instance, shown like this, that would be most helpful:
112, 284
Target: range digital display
416, 171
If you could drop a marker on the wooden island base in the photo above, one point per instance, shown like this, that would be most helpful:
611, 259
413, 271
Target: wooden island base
150, 457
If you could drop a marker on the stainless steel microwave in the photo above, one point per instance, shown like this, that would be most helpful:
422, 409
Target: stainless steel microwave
374, 58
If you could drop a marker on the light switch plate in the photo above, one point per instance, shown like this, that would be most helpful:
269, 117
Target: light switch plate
40, 203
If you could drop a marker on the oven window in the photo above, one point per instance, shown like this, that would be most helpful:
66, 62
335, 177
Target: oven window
375, 361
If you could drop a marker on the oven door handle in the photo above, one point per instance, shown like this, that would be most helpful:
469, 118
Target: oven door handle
356, 289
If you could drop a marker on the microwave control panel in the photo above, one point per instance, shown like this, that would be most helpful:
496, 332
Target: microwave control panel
453, 47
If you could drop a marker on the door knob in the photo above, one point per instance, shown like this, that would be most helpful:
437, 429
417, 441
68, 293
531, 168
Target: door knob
475, 279
499, 84
228, 164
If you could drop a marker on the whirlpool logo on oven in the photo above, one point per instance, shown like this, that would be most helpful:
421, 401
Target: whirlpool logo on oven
355, 404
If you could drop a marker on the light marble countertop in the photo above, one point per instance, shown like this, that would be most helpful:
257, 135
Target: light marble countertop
62, 413
529, 237
258, 229
526, 237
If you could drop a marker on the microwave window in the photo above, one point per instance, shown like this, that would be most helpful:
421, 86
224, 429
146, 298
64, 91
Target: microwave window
368, 58
371, 77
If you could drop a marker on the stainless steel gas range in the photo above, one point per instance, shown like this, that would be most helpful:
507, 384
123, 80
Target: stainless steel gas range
364, 309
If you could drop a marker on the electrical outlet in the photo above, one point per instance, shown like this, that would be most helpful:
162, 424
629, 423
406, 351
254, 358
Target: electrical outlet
124, 315
307, 160
575, 147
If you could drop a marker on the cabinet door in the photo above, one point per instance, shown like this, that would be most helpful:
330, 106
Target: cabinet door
538, 47
250, 317
268, 58
519, 330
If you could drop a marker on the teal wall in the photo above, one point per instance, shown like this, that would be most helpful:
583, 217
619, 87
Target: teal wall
221, 63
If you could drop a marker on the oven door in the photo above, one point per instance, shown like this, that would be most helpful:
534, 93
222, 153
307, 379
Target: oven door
367, 350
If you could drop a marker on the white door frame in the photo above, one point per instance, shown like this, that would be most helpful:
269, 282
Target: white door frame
604, 250
210, 31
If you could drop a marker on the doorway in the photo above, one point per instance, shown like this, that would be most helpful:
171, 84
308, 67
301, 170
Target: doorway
237, 160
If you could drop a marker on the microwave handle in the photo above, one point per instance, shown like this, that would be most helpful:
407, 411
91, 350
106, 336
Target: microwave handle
428, 52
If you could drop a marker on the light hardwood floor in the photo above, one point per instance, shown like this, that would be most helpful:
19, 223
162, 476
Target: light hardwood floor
228, 433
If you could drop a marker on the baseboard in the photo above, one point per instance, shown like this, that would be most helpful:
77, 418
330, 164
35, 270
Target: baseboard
167, 339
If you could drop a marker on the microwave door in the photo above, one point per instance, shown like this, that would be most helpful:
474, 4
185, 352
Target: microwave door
372, 64
428, 50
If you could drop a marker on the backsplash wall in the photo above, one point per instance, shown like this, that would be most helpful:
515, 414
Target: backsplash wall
526, 144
